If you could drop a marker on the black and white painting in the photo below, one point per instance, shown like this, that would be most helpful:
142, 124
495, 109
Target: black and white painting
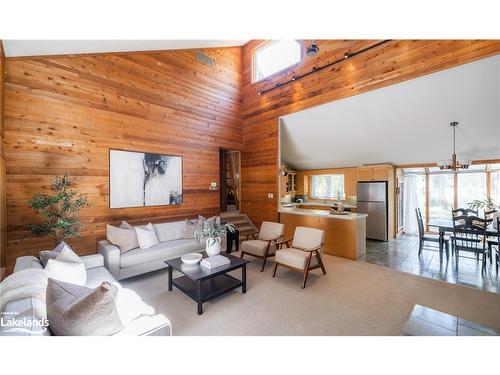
144, 179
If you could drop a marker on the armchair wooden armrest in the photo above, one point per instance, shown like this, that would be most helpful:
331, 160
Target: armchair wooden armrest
279, 244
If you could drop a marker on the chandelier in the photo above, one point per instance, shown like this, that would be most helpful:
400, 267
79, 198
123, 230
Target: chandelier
453, 164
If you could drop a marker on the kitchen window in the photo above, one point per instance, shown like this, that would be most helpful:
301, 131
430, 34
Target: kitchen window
328, 186
275, 56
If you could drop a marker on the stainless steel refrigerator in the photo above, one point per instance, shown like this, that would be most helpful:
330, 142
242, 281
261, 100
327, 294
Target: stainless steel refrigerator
372, 200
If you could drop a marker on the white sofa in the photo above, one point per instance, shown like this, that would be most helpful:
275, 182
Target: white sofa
29, 308
138, 261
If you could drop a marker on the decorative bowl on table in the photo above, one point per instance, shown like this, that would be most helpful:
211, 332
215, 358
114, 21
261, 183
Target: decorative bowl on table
191, 258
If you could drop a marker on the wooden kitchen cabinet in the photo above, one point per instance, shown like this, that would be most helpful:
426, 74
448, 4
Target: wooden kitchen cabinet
375, 173
365, 174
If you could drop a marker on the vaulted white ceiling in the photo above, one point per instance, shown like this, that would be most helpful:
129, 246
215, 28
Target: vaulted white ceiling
62, 47
404, 123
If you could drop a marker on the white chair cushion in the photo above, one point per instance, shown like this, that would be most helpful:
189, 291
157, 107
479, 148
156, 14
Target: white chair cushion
257, 247
164, 250
271, 231
308, 238
295, 258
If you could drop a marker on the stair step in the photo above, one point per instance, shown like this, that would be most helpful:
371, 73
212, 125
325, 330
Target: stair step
246, 229
238, 222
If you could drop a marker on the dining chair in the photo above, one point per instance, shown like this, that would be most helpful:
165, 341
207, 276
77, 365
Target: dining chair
265, 245
464, 212
496, 243
489, 216
304, 254
422, 237
469, 234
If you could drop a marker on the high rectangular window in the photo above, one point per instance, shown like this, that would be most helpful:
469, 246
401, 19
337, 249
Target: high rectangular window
275, 56
328, 186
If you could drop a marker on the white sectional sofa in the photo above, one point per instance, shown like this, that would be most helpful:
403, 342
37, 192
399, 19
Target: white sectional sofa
138, 261
31, 308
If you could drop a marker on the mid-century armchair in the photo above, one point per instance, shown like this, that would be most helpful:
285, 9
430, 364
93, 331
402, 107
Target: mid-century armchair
265, 245
304, 254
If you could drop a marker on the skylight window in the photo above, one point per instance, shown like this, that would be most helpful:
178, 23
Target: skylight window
275, 56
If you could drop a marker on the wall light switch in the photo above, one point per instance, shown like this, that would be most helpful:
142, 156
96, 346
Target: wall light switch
270, 195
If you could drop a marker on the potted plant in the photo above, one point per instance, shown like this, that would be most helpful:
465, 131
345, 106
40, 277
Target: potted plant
213, 234
60, 210
487, 204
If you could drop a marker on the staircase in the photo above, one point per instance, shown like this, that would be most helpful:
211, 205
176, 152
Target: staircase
240, 222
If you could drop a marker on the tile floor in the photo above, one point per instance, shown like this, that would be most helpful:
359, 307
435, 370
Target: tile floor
425, 321
402, 254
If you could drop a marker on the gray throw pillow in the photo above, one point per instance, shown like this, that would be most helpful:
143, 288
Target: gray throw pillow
45, 255
74, 310
190, 226
122, 237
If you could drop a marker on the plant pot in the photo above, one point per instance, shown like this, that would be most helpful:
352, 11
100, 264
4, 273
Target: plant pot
213, 247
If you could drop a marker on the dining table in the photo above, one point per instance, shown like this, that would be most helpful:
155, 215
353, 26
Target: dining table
446, 226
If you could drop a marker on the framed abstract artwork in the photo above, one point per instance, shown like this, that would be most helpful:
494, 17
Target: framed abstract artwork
138, 179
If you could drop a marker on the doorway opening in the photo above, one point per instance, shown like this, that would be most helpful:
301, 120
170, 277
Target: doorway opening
230, 185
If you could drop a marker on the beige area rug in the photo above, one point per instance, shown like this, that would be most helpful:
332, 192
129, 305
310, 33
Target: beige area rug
354, 298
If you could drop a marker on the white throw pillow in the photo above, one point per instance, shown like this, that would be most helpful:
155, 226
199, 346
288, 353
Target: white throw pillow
68, 255
68, 272
146, 236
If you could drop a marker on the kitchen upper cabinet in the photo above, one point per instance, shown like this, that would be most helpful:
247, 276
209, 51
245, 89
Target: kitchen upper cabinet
365, 174
289, 183
375, 173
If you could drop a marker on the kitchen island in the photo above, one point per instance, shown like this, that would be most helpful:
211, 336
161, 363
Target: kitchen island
345, 235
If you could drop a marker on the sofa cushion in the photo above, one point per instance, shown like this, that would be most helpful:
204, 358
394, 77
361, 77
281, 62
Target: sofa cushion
164, 250
74, 310
257, 247
170, 231
295, 258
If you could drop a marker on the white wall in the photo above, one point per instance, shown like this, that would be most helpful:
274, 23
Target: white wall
403, 124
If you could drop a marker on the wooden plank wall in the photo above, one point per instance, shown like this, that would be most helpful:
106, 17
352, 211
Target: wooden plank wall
64, 113
2, 167
391, 63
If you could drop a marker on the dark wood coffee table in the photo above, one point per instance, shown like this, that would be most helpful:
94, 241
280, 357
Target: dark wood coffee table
201, 284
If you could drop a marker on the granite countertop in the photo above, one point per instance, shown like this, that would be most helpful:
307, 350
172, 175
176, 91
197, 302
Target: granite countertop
321, 213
